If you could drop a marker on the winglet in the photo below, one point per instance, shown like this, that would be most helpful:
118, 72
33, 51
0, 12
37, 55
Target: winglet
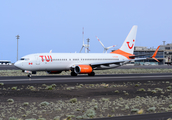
154, 55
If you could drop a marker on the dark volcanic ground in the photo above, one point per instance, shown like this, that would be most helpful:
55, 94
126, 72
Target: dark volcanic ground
83, 101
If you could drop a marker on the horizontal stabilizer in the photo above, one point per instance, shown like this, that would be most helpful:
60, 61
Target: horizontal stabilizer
138, 55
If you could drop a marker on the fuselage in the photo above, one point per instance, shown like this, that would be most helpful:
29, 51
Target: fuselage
65, 61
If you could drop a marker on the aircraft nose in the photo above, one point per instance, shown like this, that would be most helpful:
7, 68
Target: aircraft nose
17, 64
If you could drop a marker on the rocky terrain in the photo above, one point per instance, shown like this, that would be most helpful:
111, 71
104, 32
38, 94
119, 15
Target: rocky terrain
83, 101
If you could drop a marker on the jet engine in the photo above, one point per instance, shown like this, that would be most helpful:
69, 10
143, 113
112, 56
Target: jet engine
54, 72
83, 69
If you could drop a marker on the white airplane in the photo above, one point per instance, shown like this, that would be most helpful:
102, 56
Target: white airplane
105, 48
81, 63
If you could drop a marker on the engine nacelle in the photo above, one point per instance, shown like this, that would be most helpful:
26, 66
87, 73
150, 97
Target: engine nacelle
54, 72
83, 69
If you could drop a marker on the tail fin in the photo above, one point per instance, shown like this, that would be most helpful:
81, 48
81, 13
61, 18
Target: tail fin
128, 45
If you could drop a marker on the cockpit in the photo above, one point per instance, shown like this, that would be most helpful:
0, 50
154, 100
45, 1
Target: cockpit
24, 59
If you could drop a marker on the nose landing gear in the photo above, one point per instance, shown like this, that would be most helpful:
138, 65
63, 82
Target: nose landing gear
29, 75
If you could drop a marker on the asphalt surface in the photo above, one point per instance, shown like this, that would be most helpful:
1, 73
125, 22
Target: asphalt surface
8, 67
98, 79
12, 67
85, 79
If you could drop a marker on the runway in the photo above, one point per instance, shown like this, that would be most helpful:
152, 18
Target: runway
84, 78
8, 67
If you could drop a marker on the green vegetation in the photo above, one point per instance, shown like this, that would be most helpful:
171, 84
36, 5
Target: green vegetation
13, 118
10, 100
14, 88
1, 84
116, 91
151, 109
90, 113
137, 85
49, 87
57, 118
170, 106
142, 89
169, 87
44, 103
73, 100
26, 103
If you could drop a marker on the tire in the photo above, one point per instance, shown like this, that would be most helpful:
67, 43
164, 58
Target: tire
29, 75
73, 74
91, 74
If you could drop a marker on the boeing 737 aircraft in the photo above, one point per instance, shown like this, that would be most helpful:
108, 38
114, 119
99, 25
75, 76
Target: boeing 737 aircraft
80, 63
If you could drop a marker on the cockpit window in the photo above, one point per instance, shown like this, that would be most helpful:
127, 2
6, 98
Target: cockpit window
24, 59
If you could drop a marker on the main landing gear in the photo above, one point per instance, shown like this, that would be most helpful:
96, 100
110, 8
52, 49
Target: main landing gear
91, 74
73, 73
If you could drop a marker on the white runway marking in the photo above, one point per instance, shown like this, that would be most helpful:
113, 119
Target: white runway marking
76, 78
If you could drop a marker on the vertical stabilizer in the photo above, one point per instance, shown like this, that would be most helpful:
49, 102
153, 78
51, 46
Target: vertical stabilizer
128, 45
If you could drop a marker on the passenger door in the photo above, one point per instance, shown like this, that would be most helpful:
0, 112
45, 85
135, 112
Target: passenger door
37, 60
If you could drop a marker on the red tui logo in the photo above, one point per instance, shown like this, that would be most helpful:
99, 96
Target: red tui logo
130, 47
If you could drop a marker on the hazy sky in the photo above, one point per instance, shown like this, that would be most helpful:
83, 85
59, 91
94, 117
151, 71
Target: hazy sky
57, 24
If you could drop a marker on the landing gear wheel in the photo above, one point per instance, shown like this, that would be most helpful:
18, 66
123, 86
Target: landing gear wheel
73, 74
91, 74
29, 75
